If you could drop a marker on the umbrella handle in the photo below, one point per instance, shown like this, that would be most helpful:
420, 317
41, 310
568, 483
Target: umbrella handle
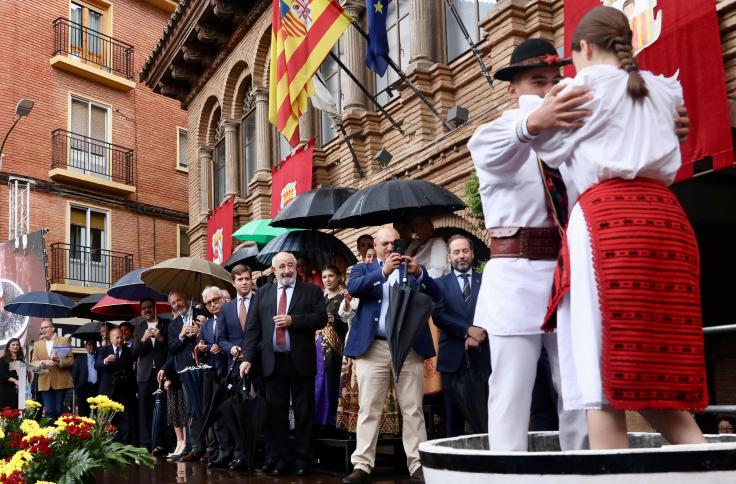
196, 355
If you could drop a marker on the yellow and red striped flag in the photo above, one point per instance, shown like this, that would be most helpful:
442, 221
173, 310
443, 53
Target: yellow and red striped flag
302, 34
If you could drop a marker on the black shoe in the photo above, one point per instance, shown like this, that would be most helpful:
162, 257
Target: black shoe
358, 476
159, 452
239, 465
280, 470
418, 476
220, 463
301, 471
268, 466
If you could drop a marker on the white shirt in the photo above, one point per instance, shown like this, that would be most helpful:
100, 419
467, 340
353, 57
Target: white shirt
389, 281
461, 281
49, 345
433, 256
152, 326
289, 293
594, 152
514, 294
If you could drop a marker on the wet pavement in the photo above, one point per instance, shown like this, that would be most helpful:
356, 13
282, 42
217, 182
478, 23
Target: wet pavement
173, 472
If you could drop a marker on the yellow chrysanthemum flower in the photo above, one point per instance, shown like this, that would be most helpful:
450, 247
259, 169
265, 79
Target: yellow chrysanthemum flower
32, 404
45, 482
2, 434
28, 426
39, 432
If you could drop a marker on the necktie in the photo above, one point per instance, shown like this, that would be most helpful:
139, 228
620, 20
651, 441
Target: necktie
117, 353
243, 313
556, 196
466, 287
281, 332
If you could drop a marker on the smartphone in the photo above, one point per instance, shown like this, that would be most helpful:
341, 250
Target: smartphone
400, 246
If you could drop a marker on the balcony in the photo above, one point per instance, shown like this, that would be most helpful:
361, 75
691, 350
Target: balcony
86, 270
84, 161
92, 55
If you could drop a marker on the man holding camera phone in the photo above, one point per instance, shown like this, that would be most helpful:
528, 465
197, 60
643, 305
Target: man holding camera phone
368, 346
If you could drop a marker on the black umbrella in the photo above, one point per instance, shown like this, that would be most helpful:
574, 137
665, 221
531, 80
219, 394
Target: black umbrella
312, 210
318, 245
219, 395
408, 310
245, 254
132, 288
41, 304
247, 408
192, 380
394, 200
157, 410
89, 331
83, 309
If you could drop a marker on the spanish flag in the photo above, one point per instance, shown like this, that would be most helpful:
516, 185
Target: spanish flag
302, 34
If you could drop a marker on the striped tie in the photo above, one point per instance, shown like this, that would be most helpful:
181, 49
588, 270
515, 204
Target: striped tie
466, 288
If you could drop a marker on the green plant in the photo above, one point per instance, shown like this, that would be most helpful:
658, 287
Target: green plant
473, 196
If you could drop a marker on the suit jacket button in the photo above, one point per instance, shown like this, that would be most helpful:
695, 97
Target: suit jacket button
375, 319
379, 301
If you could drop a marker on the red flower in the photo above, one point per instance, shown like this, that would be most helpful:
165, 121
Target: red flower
10, 413
551, 59
15, 478
38, 445
110, 428
15, 439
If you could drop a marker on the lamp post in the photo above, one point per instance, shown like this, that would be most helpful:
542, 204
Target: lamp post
22, 109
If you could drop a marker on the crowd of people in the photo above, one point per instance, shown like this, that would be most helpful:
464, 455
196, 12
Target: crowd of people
554, 174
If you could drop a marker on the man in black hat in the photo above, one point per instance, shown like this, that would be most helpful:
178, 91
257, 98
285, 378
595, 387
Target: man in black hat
525, 207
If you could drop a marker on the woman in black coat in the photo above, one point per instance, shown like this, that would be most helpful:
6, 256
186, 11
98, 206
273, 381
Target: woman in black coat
8, 377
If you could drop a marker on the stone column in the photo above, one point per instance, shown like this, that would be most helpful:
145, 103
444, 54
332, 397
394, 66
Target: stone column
263, 134
231, 158
205, 161
421, 34
353, 47
307, 125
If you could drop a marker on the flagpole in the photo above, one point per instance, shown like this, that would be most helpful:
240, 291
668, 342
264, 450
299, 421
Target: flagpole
404, 78
365, 91
345, 136
473, 47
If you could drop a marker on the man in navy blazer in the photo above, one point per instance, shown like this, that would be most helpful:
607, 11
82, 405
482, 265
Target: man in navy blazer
463, 350
368, 346
114, 365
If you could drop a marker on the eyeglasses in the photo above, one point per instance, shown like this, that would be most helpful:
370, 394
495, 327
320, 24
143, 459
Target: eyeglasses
213, 301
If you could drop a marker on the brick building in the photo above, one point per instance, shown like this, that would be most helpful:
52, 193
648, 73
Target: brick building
213, 58
102, 150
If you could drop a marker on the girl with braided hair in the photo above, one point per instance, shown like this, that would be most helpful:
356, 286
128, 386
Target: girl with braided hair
626, 295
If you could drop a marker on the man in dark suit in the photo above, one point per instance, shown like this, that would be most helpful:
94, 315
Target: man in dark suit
280, 327
183, 334
458, 337
114, 365
150, 350
368, 346
230, 336
85, 377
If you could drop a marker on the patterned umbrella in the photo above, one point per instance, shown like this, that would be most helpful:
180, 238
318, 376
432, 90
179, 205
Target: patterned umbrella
259, 231
318, 245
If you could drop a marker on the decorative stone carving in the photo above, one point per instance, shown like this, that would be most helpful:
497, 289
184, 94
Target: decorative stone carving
210, 34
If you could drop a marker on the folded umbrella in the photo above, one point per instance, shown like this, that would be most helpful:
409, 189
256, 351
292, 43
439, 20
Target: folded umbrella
41, 304
318, 245
219, 395
312, 210
259, 231
408, 310
245, 254
131, 287
247, 408
192, 380
188, 274
394, 200
157, 410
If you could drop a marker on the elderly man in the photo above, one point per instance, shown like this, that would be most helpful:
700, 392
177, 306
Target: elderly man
367, 344
54, 383
280, 329
114, 365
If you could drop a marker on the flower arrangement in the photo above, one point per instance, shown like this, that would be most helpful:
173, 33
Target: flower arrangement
66, 451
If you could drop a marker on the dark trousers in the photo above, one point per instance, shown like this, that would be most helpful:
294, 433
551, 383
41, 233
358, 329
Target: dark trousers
466, 396
285, 382
53, 403
83, 393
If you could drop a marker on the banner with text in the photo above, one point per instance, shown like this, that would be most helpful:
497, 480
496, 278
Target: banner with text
220, 232
679, 38
291, 177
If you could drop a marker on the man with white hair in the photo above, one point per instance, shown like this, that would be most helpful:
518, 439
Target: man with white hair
280, 326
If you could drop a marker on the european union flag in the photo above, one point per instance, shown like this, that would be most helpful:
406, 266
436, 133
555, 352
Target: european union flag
377, 38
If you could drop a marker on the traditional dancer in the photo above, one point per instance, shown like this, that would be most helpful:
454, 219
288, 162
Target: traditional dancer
629, 317
525, 228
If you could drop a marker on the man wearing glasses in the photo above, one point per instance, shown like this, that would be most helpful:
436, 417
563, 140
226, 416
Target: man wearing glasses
280, 327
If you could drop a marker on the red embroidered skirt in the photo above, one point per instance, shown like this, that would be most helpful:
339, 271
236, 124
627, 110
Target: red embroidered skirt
647, 270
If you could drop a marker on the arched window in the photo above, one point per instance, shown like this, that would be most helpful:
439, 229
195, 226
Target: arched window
398, 28
471, 12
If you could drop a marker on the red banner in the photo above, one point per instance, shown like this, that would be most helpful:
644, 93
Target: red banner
220, 232
679, 37
291, 177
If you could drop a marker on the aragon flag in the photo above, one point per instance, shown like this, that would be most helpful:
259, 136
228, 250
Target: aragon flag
302, 34
679, 37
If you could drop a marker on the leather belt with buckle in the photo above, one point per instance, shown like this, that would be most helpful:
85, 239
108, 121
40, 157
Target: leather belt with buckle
533, 243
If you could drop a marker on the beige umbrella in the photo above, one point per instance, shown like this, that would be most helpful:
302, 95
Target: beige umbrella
187, 274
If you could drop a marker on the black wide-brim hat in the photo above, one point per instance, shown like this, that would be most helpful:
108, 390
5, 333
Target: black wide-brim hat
530, 54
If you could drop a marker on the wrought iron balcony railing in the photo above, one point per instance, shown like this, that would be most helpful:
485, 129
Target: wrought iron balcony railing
92, 157
87, 266
93, 47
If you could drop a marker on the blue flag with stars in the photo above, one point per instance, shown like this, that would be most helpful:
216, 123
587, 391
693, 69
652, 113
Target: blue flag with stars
377, 38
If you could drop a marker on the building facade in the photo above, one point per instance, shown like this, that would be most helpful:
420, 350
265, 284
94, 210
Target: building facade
105, 155
214, 58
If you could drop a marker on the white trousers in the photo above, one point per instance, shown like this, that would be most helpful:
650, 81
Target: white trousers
514, 370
